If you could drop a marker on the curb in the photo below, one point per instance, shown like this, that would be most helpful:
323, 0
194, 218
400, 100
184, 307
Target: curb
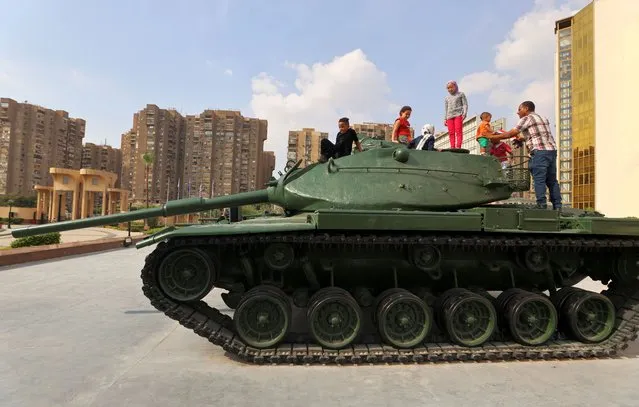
45, 252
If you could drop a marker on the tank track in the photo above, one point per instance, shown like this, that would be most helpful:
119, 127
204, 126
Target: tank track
218, 328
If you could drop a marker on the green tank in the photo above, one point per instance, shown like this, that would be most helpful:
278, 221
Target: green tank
394, 255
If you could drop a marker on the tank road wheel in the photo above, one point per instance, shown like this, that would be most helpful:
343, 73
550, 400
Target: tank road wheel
403, 319
263, 316
469, 318
531, 318
187, 274
590, 316
334, 317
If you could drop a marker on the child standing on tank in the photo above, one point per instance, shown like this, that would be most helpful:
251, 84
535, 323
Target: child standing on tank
456, 109
484, 130
401, 128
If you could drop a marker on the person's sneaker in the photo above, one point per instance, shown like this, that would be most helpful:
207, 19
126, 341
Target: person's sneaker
541, 206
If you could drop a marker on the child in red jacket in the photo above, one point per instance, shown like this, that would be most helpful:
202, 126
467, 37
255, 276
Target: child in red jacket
502, 152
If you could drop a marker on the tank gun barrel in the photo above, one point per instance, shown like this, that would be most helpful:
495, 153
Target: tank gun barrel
171, 208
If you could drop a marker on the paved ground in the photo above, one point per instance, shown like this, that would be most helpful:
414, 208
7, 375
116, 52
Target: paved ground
69, 236
79, 332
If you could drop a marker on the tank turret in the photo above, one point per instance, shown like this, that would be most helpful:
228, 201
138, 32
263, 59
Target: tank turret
394, 255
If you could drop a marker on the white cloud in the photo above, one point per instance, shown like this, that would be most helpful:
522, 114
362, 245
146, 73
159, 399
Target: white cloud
349, 85
228, 72
524, 61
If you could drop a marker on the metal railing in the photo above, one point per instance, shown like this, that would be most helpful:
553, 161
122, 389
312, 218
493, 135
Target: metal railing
518, 175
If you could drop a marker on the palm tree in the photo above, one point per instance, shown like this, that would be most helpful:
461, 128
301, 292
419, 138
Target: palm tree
148, 161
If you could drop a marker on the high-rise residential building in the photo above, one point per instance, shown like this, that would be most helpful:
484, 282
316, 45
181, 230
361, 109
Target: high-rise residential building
32, 140
379, 131
596, 87
266, 168
104, 158
222, 153
128, 151
217, 152
469, 132
161, 134
305, 145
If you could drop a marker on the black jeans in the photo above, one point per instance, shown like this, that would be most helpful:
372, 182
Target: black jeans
328, 149
543, 167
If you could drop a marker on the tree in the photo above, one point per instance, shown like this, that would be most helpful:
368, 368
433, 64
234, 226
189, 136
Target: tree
148, 161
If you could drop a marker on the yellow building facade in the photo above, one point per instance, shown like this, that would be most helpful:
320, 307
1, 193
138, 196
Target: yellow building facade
84, 185
596, 89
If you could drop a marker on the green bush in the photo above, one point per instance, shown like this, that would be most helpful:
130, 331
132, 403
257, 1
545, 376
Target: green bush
153, 222
38, 240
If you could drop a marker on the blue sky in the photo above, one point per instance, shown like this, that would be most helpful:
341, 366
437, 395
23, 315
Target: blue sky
103, 61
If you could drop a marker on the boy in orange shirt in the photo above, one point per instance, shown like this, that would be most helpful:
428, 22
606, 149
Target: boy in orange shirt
483, 131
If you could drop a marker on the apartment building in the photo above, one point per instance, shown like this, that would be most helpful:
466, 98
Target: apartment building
161, 134
596, 87
266, 168
305, 145
379, 131
217, 152
104, 158
237, 146
32, 140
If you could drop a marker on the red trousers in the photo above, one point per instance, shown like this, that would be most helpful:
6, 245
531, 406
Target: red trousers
455, 131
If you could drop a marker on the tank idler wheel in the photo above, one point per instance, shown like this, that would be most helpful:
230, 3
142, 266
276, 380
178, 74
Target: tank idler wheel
187, 274
334, 317
590, 316
469, 318
403, 319
531, 318
263, 316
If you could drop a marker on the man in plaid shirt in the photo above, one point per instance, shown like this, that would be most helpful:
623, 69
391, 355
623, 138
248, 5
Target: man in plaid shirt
541, 145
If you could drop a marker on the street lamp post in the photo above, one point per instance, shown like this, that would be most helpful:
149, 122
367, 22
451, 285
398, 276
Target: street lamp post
10, 202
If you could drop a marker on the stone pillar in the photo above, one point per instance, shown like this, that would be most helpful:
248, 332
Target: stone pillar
38, 203
124, 201
54, 207
91, 203
105, 201
85, 203
50, 205
76, 201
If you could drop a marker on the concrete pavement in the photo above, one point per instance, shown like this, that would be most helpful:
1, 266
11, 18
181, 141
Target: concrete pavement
79, 332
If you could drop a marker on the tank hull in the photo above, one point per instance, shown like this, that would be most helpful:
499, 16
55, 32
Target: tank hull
348, 286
